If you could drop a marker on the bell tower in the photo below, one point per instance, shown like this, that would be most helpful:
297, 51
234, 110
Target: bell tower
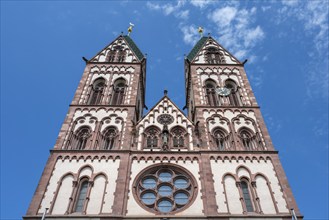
86, 172
230, 129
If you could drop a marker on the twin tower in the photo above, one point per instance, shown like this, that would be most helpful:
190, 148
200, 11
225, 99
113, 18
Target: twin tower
112, 162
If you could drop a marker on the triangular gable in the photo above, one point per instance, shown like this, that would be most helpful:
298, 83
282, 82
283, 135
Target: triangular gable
165, 106
197, 54
132, 52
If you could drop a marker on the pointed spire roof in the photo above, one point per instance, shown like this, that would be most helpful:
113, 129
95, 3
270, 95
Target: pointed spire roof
203, 43
134, 47
196, 48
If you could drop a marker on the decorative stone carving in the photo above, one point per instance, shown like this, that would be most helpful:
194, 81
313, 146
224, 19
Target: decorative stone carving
165, 119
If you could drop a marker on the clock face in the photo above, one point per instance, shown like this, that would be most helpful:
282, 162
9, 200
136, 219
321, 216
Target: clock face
223, 91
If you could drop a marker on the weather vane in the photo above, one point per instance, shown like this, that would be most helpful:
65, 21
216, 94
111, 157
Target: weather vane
130, 29
200, 30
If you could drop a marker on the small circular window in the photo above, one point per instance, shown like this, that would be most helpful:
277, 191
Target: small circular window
165, 189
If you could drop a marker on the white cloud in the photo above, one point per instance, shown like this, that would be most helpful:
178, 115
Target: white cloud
190, 34
223, 16
167, 9
314, 17
201, 3
235, 29
153, 6
253, 36
183, 14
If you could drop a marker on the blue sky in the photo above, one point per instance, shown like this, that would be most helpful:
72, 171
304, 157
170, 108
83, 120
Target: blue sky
286, 43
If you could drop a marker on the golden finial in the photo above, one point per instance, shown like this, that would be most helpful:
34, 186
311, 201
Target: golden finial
200, 30
130, 29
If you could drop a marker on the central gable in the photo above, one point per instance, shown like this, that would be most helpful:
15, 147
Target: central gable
165, 115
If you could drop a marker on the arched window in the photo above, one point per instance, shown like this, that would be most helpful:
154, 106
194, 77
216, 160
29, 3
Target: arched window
81, 196
178, 134
214, 56
82, 136
117, 54
152, 137
248, 139
96, 93
246, 196
211, 95
221, 139
118, 92
109, 138
112, 55
234, 97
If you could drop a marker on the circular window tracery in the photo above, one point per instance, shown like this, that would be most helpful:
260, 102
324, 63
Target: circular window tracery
164, 189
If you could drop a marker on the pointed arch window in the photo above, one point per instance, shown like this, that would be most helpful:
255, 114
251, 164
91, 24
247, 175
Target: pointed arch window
246, 196
81, 196
178, 134
109, 138
234, 97
82, 136
152, 136
211, 96
118, 54
248, 139
214, 56
221, 139
96, 93
118, 92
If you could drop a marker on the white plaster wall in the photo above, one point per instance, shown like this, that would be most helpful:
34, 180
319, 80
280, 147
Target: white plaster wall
220, 168
101, 113
242, 172
264, 195
96, 195
217, 122
109, 168
63, 196
233, 196
135, 209
86, 171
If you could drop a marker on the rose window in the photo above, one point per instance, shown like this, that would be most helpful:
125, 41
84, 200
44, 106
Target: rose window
165, 189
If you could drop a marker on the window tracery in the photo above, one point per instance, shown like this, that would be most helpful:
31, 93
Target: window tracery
211, 95
234, 96
221, 139
118, 54
118, 92
109, 138
81, 138
96, 93
250, 141
178, 137
165, 189
214, 56
152, 137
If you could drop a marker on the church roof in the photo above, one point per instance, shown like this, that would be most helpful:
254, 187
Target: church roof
203, 43
196, 48
134, 47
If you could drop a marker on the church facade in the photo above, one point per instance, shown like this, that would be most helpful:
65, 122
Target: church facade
111, 162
